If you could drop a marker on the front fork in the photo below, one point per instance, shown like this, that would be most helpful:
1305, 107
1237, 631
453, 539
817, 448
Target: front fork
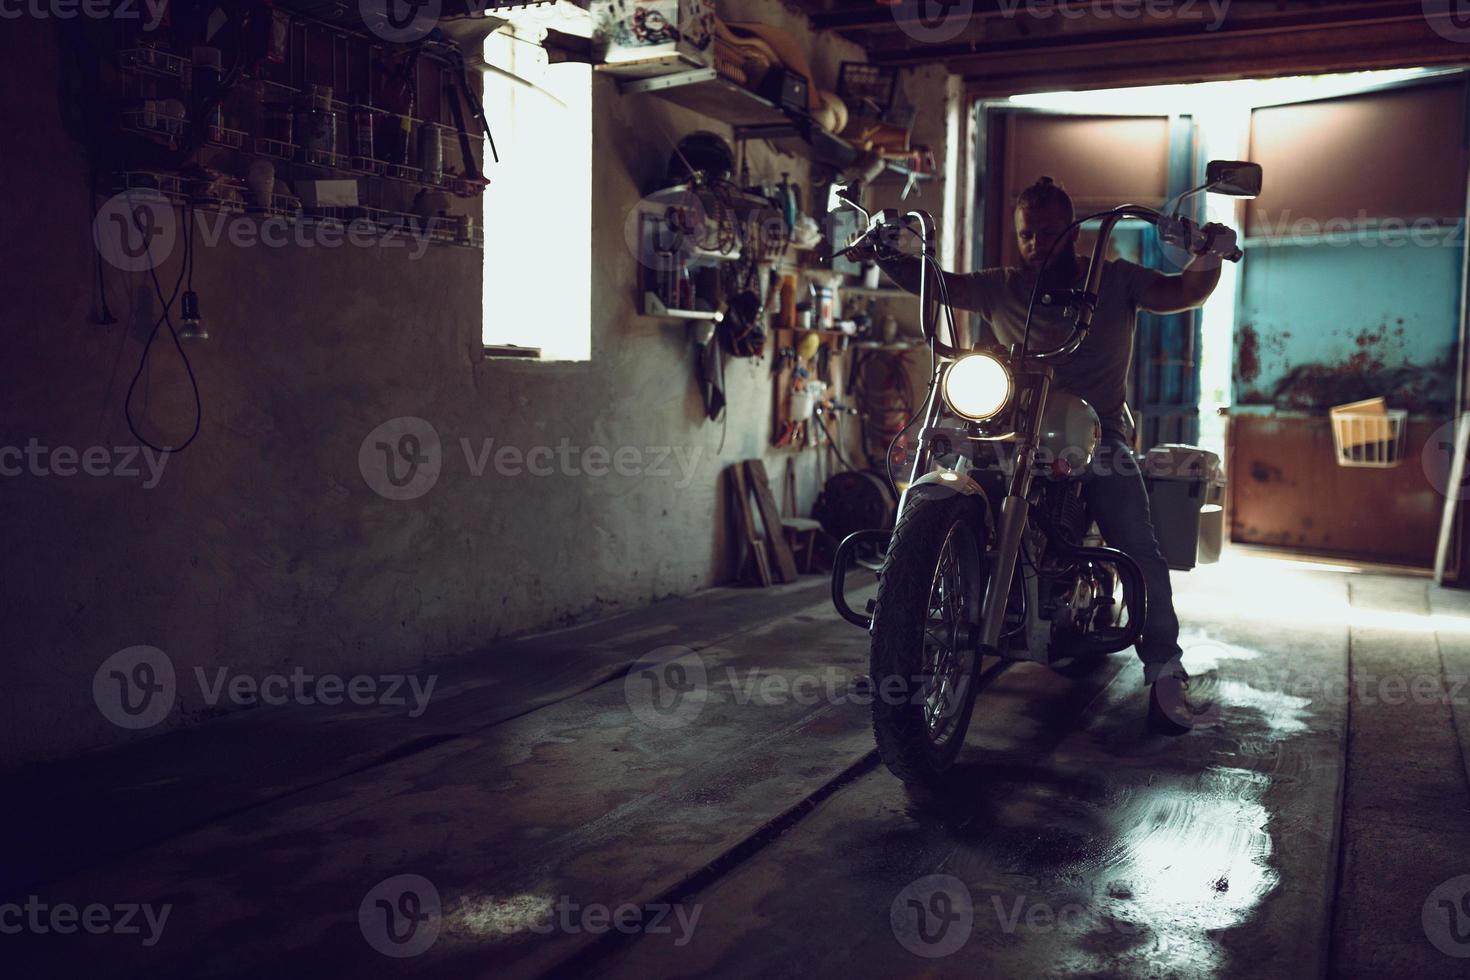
1015, 508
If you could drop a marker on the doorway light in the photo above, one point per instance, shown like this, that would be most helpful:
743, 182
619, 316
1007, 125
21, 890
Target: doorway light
1191, 99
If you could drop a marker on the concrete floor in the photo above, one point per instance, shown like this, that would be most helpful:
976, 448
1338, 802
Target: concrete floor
559, 819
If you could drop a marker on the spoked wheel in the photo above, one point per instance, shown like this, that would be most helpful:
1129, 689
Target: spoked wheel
925, 625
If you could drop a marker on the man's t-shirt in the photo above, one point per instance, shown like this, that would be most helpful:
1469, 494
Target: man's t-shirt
1098, 369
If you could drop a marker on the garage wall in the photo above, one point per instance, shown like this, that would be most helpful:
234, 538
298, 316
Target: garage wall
262, 548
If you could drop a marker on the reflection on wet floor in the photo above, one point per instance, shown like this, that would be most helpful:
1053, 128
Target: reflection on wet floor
1077, 843
1190, 857
1225, 700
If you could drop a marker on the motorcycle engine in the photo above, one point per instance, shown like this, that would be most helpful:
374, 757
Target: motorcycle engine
1073, 593
1063, 511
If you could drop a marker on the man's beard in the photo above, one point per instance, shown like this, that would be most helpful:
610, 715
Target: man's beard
1062, 272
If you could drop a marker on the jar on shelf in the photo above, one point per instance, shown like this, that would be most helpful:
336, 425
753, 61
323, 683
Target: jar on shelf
316, 122
362, 131
395, 140
204, 84
279, 122
431, 152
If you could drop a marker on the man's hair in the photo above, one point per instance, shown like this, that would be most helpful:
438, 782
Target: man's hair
1045, 194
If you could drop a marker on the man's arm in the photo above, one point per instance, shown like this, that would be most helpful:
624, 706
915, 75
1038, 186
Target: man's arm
1175, 294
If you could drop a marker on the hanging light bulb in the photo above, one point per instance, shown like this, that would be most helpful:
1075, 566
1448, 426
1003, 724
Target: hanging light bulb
191, 326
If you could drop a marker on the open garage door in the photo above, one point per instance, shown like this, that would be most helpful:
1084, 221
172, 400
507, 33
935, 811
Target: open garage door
1104, 161
1351, 289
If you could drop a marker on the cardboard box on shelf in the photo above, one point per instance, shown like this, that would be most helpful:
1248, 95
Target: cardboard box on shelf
653, 36
327, 193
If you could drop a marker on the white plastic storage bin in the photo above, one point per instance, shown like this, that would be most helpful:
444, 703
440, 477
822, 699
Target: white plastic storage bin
1181, 479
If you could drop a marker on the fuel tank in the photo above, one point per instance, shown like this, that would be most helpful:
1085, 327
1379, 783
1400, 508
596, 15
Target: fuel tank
1070, 433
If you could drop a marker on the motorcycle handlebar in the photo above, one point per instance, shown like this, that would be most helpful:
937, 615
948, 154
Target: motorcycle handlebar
884, 229
1191, 236
1177, 230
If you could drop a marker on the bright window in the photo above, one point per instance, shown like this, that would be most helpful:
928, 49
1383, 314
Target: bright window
538, 207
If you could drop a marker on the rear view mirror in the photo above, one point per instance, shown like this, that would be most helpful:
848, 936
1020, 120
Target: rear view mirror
1237, 178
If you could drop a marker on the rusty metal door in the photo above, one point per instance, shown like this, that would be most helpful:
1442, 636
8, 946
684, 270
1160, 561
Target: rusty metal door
1350, 290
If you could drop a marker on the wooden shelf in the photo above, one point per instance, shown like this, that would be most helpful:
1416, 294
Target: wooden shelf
879, 345
709, 93
892, 292
653, 306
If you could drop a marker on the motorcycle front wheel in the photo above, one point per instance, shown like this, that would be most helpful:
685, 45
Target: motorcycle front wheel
924, 658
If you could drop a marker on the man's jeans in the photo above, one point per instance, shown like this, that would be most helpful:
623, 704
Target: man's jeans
1118, 501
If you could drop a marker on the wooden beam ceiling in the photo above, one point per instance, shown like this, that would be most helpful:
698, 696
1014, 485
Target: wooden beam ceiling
1007, 47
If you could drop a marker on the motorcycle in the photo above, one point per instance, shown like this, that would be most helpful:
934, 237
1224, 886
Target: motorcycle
993, 551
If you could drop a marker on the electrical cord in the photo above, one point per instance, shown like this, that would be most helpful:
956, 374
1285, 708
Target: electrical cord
876, 401
833, 442
185, 269
943, 301
888, 457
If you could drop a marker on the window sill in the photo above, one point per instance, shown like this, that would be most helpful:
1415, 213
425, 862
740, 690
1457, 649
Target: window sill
510, 352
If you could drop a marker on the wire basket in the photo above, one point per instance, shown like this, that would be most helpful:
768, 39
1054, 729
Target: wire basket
863, 84
1373, 439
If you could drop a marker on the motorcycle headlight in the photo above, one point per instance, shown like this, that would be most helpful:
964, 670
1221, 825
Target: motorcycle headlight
977, 387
